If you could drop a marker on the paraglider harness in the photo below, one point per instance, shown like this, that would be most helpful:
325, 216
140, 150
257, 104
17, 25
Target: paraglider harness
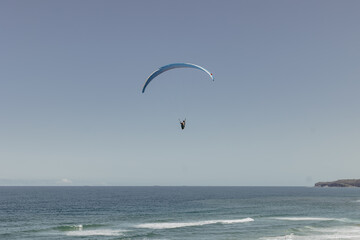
182, 124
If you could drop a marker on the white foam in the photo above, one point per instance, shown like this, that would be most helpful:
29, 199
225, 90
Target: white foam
307, 219
191, 224
286, 237
348, 229
80, 227
99, 232
348, 232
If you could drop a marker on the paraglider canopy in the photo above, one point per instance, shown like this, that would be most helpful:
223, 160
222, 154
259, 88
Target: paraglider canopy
172, 66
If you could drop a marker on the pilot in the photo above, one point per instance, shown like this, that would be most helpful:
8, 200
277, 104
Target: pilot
182, 124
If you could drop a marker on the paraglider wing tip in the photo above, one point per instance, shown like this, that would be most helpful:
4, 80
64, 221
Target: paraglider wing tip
143, 89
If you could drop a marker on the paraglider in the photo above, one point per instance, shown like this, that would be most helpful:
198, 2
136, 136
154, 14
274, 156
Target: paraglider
173, 66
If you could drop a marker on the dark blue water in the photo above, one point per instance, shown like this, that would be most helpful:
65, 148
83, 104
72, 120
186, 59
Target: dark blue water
179, 213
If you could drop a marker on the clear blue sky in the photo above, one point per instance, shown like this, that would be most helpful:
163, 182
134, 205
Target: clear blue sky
283, 110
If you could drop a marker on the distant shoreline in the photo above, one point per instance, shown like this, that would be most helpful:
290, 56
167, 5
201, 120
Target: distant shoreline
340, 183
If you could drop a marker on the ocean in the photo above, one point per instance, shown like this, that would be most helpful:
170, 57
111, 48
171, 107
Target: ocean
265, 213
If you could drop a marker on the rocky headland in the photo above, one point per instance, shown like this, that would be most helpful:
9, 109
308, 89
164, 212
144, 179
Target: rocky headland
340, 183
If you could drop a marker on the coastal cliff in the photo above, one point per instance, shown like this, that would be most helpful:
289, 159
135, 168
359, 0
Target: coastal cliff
340, 183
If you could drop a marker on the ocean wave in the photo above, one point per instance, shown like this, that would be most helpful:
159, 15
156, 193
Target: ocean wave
309, 219
285, 237
191, 224
345, 232
98, 232
88, 230
74, 227
69, 227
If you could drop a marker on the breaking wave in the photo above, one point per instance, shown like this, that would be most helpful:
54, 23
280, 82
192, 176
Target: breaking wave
309, 219
191, 224
349, 232
88, 230
98, 232
69, 227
